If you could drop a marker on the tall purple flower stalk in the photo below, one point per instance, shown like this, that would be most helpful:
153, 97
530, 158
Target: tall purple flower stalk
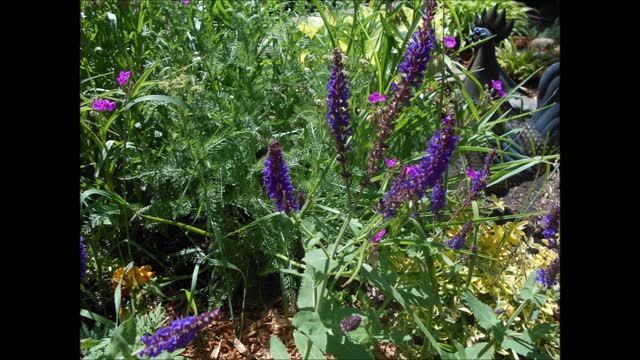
411, 71
84, 256
458, 240
551, 223
549, 276
413, 181
337, 102
177, 335
276, 179
480, 178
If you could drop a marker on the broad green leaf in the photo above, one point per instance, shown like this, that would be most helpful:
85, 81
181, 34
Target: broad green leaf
532, 291
318, 260
123, 337
278, 350
310, 324
305, 345
485, 315
306, 299
474, 352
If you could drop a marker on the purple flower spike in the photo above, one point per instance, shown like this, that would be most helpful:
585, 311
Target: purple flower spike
124, 77
438, 198
549, 276
376, 97
350, 323
551, 223
459, 239
480, 179
449, 42
419, 50
177, 335
276, 179
376, 239
390, 162
84, 256
337, 102
414, 180
497, 85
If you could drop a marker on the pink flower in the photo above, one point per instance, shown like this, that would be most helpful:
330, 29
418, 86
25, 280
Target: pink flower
390, 162
377, 97
124, 77
497, 84
186, 2
376, 239
449, 42
103, 105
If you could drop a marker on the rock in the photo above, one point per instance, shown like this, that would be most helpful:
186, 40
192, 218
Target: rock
541, 43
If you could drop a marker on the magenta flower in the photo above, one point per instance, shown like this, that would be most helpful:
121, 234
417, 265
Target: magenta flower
390, 162
124, 77
449, 42
497, 84
376, 97
376, 239
103, 105
186, 2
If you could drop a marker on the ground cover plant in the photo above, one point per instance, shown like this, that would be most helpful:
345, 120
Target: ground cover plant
309, 163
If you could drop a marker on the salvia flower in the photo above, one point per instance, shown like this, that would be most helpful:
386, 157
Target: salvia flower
551, 223
337, 102
449, 42
103, 105
549, 276
438, 198
276, 179
458, 240
419, 50
497, 85
124, 77
412, 72
177, 335
84, 256
350, 323
376, 97
376, 239
480, 178
413, 181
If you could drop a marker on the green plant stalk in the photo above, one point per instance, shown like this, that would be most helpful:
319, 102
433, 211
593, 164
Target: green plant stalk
326, 278
431, 268
180, 225
511, 319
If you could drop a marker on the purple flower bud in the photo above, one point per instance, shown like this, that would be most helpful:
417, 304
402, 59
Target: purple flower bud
276, 179
497, 85
480, 179
103, 105
350, 323
375, 97
449, 42
500, 311
376, 239
124, 77
438, 198
390, 162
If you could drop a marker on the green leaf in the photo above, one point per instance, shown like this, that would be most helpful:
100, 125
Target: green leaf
161, 98
486, 316
98, 318
306, 295
278, 350
123, 337
531, 291
304, 344
474, 352
86, 344
318, 259
309, 323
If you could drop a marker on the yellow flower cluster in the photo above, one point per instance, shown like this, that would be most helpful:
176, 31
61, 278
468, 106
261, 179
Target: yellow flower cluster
134, 279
